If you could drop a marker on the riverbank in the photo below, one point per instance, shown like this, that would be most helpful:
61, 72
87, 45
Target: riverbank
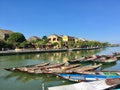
26, 51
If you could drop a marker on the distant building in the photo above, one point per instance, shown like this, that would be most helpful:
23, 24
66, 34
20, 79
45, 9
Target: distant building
68, 38
76, 40
82, 39
54, 38
33, 38
4, 34
64, 38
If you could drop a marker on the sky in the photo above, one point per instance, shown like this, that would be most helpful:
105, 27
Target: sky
90, 19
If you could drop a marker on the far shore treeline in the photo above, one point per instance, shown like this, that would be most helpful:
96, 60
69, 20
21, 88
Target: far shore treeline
10, 41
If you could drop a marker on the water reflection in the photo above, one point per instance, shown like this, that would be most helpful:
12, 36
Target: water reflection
48, 57
64, 56
45, 80
41, 82
25, 77
108, 65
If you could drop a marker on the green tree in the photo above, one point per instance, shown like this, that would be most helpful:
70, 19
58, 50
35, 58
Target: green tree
70, 44
45, 39
25, 44
16, 38
2, 44
40, 43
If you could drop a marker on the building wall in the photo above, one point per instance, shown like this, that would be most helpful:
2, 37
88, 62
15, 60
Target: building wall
65, 38
76, 40
1, 36
68, 38
54, 38
4, 34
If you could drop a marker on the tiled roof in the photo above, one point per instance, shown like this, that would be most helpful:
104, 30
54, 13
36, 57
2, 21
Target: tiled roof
2, 31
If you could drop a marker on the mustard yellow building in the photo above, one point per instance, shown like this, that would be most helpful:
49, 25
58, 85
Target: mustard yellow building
66, 38
54, 38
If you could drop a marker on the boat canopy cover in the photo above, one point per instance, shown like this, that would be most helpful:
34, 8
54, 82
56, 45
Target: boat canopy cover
95, 85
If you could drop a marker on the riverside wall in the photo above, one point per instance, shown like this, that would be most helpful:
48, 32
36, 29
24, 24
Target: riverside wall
27, 51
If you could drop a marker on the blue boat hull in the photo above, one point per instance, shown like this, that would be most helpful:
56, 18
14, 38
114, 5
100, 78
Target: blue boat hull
86, 77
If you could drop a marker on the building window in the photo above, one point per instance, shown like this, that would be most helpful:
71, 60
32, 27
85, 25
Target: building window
49, 39
54, 39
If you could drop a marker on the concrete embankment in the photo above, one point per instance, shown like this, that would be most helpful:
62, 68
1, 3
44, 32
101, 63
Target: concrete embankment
24, 51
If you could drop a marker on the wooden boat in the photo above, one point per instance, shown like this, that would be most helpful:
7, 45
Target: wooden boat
116, 53
108, 59
65, 69
27, 66
86, 68
61, 69
54, 65
90, 58
41, 69
76, 60
71, 69
37, 65
83, 59
86, 77
118, 57
70, 66
95, 85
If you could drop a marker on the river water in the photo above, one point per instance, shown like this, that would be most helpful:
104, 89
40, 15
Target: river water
23, 81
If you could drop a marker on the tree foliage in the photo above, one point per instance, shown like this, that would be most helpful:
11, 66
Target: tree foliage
45, 39
2, 43
16, 37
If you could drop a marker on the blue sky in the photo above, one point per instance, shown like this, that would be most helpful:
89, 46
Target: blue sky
90, 19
